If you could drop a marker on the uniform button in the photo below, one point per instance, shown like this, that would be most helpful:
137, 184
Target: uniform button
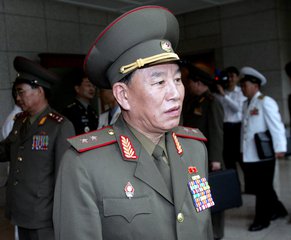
17, 170
19, 159
15, 183
21, 147
180, 217
86, 129
111, 132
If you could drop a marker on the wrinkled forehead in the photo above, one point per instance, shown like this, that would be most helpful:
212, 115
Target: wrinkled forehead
160, 70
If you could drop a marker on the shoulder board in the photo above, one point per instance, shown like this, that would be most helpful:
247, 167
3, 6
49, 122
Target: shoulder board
210, 96
56, 117
261, 97
20, 115
95, 139
193, 133
71, 105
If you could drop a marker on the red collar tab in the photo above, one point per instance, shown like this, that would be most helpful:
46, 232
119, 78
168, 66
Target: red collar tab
177, 144
128, 150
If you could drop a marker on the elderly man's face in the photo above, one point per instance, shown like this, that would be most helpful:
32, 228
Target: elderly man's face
155, 96
27, 98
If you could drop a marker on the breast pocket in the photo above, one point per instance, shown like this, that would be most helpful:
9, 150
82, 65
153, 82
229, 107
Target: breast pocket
127, 208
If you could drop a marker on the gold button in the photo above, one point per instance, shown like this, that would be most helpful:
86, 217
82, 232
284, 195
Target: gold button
19, 159
110, 132
180, 217
15, 183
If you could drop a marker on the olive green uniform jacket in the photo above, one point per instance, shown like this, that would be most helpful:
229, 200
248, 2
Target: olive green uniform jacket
206, 113
93, 202
34, 156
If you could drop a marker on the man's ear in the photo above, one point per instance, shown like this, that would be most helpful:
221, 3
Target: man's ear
120, 92
41, 90
76, 89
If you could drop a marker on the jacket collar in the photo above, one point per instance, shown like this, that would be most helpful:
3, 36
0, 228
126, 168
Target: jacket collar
146, 169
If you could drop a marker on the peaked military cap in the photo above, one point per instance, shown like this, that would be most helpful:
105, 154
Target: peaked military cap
252, 75
32, 73
196, 74
141, 37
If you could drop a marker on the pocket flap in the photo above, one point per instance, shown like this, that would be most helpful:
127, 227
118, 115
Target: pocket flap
127, 208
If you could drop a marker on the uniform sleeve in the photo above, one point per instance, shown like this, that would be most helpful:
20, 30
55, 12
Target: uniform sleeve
233, 105
215, 139
76, 214
275, 124
61, 145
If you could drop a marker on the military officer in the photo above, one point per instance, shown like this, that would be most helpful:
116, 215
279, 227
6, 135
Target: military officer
34, 148
202, 110
144, 177
260, 113
80, 112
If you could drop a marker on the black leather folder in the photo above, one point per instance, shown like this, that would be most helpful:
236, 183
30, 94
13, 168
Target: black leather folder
225, 189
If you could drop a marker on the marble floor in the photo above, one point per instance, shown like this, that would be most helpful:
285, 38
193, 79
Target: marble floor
237, 220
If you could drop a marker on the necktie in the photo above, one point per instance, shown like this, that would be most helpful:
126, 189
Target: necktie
162, 166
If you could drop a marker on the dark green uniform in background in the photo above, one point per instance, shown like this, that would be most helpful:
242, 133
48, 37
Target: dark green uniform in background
34, 154
34, 149
206, 113
83, 119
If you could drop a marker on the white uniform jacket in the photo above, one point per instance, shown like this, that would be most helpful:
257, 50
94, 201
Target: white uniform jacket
260, 115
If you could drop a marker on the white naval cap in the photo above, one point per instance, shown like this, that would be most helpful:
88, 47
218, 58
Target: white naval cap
252, 75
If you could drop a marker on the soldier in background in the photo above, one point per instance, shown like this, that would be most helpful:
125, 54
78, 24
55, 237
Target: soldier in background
80, 112
203, 111
261, 113
34, 148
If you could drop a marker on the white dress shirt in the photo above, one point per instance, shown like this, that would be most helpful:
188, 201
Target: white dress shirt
232, 103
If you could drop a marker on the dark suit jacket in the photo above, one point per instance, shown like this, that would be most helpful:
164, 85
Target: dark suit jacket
34, 157
90, 196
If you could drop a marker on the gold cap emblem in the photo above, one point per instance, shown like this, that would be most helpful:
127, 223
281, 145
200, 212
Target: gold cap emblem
166, 46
